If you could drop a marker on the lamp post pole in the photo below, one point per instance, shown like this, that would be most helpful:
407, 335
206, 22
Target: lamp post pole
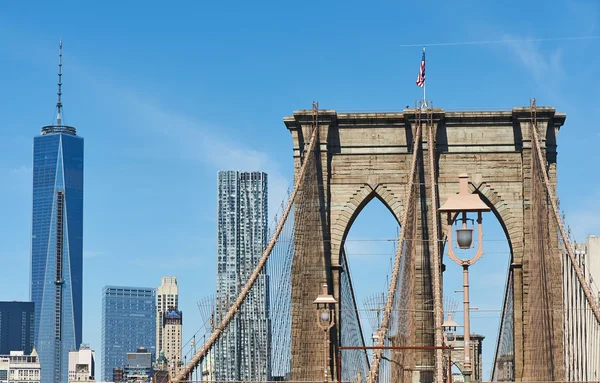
467, 337
326, 355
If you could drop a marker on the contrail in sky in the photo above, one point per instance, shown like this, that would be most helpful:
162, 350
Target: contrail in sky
506, 41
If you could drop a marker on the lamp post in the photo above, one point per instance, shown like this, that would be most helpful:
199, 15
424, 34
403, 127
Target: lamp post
462, 204
449, 326
325, 306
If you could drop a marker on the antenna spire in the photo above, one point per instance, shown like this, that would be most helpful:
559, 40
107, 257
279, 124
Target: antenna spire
59, 102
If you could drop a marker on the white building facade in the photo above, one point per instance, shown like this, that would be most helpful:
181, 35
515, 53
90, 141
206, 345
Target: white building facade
82, 365
18, 367
242, 353
167, 298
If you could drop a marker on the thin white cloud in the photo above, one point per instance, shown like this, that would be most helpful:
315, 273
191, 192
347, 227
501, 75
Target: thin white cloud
544, 66
205, 143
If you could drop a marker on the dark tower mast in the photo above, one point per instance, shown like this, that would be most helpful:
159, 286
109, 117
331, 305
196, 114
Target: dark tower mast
58, 127
59, 102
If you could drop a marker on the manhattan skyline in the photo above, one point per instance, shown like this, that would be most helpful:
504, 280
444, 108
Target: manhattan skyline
151, 104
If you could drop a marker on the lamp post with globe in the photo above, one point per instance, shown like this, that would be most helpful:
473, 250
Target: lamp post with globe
462, 204
449, 326
325, 309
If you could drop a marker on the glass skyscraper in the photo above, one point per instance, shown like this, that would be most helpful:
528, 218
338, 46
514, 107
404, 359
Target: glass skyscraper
242, 352
57, 245
16, 327
128, 323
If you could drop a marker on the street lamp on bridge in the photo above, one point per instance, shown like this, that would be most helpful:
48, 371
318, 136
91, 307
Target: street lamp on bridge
462, 204
325, 309
449, 326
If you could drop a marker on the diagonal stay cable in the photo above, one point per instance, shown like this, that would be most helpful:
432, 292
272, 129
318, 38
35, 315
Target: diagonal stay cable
561, 227
396, 270
437, 298
199, 356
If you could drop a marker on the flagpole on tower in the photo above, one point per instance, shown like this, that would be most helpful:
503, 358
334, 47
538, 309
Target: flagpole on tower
424, 81
421, 80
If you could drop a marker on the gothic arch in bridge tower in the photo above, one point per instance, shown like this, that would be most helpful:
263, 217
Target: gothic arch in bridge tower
352, 209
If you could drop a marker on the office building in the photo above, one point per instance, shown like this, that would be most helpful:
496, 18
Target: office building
579, 321
20, 367
57, 243
138, 367
242, 352
16, 327
171, 329
82, 365
167, 298
128, 322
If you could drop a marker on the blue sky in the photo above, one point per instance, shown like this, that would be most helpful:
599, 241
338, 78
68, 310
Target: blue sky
167, 95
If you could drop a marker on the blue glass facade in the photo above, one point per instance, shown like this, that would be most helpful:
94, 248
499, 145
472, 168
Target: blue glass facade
16, 327
128, 323
57, 248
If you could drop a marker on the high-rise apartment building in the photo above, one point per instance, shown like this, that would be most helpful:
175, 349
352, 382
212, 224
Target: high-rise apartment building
57, 243
16, 327
167, 298
242, 352
172, 335
128, 323
82, 365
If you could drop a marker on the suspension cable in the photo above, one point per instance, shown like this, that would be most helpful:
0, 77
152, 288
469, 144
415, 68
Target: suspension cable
563, 233
199, 356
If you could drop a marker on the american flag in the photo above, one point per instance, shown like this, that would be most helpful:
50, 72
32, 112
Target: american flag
421, 77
